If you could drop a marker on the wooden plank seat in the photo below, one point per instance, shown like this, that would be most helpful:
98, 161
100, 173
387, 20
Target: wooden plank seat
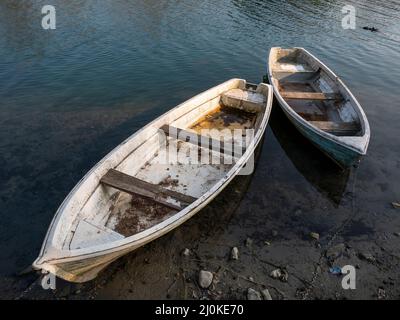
337, 128
311, 96
247, 100
287, 75
203, 141
135, 186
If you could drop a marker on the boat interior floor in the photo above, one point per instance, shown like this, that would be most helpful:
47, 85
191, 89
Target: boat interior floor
166, 182
318, 106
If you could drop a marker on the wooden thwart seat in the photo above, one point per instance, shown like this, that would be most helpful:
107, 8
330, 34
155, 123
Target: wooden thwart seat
132, 185
338, 128
247, 100
202, 141
295, 74
311, 96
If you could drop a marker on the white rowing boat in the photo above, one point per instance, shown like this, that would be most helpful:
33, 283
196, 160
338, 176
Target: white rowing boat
319, 104
140, 190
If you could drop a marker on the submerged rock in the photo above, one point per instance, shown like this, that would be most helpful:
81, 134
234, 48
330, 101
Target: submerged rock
253, 294
266, 294
205, 279
235, 253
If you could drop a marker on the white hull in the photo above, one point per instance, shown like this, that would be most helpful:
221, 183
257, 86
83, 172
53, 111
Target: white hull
103, 219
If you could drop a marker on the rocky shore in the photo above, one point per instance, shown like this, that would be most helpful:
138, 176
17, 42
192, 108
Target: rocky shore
244, 247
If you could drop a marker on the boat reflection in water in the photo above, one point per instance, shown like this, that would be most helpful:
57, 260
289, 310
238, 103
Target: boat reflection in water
329, 179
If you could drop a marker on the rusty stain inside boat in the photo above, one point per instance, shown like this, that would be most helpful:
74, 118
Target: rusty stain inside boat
224, 117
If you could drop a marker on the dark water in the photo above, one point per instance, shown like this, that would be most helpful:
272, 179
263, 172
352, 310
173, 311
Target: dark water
68, 96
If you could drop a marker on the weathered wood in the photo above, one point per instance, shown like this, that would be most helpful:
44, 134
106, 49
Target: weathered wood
92, 201
310, 95
295, 76
344, 151
202, 141
132, 185
337, 127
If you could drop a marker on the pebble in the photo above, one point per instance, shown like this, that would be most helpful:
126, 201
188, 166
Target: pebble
381, 293
396, 205
266, 294
275, 273
249, 242
186, 252
253, 294
314, 235
235, 253
205, 279
279, 274
367, 256
267, 243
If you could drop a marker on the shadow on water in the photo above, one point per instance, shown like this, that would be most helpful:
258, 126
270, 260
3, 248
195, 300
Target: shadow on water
319, 170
